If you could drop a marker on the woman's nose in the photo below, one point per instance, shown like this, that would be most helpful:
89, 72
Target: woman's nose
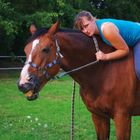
84, 30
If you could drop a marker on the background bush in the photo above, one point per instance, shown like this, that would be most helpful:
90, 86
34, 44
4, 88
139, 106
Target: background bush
16, 17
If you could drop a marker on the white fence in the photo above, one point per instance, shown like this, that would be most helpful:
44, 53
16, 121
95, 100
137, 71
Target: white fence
11, 68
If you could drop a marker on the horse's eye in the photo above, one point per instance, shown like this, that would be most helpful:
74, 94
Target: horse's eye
46, 50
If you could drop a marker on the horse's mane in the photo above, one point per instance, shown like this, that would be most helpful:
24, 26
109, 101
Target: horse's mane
43, 30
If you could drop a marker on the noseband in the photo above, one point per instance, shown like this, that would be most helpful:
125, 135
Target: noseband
44, 69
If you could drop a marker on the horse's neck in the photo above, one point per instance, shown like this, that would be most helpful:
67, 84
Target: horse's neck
74, 50
77, 53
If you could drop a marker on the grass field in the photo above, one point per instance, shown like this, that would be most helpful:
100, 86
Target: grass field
49, 117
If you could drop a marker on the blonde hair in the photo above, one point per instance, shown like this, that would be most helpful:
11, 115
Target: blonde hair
78, 19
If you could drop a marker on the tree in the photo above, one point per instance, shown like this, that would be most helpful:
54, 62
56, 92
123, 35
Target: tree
8, 26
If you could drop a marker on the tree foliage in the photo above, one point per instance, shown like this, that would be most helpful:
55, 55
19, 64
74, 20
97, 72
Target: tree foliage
16, 16
8, 26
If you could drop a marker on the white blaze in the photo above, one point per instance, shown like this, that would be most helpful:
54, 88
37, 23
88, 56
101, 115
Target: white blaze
24, 76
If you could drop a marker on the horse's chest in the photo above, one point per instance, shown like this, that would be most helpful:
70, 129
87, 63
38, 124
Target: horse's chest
95, 104
90, 103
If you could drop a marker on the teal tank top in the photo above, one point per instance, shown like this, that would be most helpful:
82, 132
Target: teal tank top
130, 31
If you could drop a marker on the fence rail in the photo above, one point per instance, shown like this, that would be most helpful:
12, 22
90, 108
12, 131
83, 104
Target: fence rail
11, 68
12, 56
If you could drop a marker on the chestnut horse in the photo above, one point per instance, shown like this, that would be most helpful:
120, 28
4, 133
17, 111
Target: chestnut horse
110, 90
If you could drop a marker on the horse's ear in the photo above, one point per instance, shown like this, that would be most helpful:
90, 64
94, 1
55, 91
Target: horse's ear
53, 29
32, 28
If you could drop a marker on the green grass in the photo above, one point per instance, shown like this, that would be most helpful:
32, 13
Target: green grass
48, 117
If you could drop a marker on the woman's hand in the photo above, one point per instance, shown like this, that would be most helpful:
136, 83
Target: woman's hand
100, 55
111, 56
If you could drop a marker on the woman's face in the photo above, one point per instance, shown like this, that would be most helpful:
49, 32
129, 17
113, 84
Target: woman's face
88, 26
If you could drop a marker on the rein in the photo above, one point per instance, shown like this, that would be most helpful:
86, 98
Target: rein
76, 69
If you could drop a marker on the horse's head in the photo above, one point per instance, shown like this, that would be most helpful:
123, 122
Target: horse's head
42, 63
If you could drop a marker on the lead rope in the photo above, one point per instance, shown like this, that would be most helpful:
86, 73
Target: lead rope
72, 110
73, 90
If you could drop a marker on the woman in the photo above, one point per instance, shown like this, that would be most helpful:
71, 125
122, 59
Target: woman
120, 34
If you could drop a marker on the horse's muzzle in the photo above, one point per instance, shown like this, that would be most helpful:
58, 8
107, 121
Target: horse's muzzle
32, 87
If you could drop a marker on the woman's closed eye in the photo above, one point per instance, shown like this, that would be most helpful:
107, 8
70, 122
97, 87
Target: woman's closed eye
85, 26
